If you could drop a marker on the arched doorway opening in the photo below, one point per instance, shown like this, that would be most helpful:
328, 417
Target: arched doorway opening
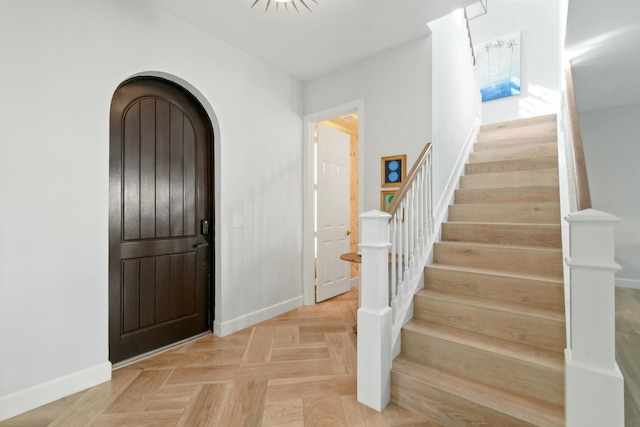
161, 225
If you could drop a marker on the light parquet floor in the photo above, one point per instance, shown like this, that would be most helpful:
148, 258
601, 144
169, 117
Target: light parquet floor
628, 350
298, 369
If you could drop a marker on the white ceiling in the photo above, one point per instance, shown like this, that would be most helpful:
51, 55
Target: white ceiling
603, 38
308, 44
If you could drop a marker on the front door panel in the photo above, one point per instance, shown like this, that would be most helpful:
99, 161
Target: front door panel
159, 183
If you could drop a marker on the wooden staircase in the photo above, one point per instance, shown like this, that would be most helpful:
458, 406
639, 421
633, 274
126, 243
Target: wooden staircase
486, 345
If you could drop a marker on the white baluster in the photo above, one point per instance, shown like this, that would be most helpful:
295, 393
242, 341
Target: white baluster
393, 268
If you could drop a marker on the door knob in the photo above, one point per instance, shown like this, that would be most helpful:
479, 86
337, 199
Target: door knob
202, 244
348, 232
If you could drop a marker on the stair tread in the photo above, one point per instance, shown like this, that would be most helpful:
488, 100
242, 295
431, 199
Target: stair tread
534, 355
522, 147
524, 151
501, 273
538, 260
539, 312
531, 234
506, 224
531, 134
513, 179
533, 212
528, 409
517, 206
514, 173
508, 189
528, 121
498, 246
521, 138
522, 194
522, 164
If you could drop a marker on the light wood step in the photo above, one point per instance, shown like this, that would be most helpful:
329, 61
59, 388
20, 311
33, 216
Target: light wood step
455, 401
539, 213
549, 118
538, 327
508, 195
510, 137
489, 143
530, 163
515, 367
539, 235
540, 177
513, 288
511, 153
544, 262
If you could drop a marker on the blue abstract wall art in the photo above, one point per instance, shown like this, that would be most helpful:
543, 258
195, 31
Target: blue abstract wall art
394, 170
498, 63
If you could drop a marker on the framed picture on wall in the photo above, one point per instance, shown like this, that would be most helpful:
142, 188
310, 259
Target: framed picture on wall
393, 170
499, 66
386, 197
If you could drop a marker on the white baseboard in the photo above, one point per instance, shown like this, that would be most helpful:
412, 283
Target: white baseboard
41, 394
239, 323
627, 283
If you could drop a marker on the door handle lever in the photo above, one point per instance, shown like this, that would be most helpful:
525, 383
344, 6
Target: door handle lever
202, 244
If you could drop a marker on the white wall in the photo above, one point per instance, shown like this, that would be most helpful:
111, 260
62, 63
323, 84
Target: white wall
456, 107
60, 64
610, 139
395, 88
538, 22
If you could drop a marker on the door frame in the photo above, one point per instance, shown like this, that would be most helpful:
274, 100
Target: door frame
215, 176
308, 203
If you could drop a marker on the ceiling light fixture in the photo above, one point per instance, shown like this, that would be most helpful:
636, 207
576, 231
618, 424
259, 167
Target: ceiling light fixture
286, 4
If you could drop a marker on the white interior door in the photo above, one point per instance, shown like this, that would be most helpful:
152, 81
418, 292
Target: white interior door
333, 213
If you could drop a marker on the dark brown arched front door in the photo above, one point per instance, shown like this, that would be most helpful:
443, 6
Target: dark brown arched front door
160, 217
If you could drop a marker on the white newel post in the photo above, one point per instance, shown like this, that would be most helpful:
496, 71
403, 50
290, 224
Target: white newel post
374, 314
594, 383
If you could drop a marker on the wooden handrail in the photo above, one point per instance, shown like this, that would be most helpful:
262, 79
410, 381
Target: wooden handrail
583, 195
395, 203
